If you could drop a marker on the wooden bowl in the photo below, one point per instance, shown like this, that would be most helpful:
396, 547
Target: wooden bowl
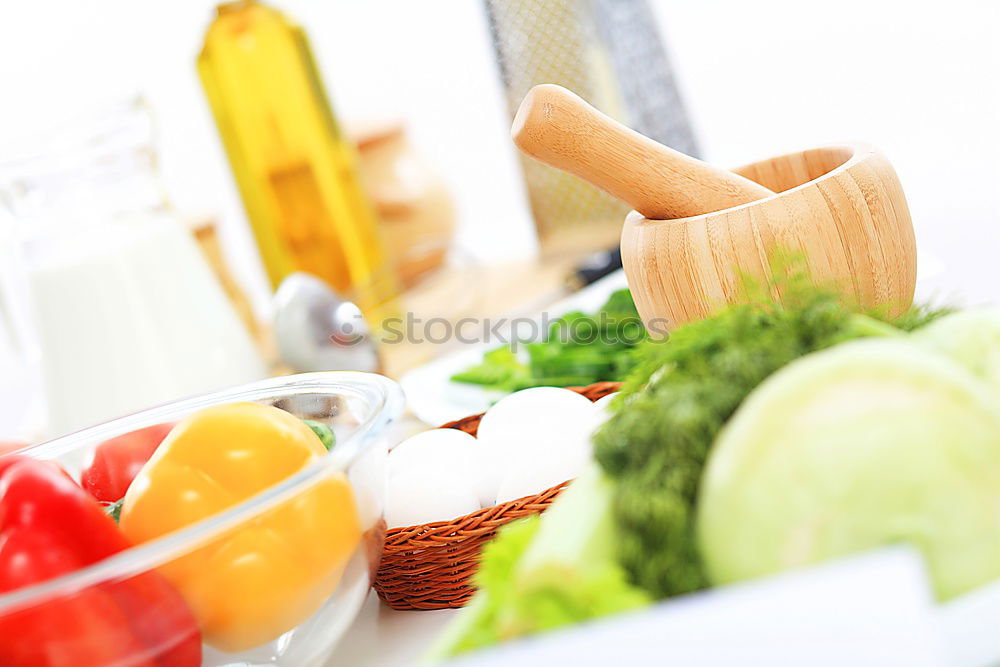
842, 207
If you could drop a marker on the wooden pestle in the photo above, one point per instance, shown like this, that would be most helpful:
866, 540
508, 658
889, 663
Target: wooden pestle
557, 127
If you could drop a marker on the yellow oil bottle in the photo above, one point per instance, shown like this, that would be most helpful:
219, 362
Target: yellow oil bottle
297, 175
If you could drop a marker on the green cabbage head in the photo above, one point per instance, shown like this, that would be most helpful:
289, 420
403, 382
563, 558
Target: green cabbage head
866, 444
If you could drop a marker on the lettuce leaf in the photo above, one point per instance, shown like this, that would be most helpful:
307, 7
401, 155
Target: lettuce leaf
546, 572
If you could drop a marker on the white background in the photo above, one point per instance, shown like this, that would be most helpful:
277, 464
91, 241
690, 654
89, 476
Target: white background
918, 79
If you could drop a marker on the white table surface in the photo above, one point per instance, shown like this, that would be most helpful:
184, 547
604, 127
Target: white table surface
870, 609
381, 636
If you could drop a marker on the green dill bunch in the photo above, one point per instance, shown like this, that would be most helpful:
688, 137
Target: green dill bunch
680, 396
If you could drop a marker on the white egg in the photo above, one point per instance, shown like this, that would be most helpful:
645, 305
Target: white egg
604, 401
424, 494
527, 424
544, 471
452, 450
533, 420
491, 470
603, 408
534, 437
445, 448
528, 416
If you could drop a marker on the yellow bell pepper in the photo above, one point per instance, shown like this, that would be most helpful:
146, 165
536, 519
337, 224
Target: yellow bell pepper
264, 577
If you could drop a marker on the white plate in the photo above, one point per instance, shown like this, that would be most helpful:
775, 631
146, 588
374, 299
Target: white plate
435, 399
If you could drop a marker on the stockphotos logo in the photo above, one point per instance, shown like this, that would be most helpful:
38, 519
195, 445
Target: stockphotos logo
583, 330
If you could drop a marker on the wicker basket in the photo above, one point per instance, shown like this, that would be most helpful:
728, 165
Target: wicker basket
430, 566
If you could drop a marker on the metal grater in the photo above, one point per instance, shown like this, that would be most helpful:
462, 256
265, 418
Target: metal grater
610, 53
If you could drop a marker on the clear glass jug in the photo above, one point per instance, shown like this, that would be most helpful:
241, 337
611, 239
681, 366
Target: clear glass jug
126, 311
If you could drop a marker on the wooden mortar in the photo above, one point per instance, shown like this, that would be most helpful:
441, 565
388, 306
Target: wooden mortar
841, 206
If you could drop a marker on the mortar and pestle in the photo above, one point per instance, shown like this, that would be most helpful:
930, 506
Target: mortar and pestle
696, 228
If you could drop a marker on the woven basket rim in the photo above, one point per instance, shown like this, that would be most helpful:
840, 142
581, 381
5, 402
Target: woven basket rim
456, 525
430, 566
603, 388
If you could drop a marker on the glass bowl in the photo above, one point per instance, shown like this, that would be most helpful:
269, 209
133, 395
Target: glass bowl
357, 406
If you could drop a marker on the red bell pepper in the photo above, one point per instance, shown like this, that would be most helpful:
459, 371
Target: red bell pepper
117, 461
49, 526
